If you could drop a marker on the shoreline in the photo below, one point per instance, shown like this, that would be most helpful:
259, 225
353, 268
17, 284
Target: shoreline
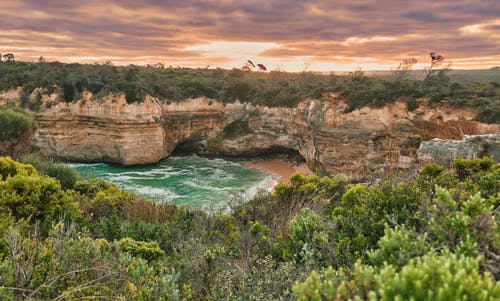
281, 168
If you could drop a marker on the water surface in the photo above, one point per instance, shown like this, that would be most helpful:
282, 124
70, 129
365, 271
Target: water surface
193, 181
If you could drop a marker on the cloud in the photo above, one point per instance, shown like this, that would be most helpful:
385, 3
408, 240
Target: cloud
280, 32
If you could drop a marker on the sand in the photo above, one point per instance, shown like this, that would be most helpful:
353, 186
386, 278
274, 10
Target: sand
281, 168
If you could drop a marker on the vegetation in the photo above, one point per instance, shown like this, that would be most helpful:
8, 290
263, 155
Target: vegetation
17, 128
66, 175
275, 88
434, 237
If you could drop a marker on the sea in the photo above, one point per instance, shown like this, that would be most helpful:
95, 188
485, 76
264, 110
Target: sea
192, 181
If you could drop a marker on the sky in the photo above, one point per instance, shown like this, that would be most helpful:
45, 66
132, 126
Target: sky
290, 35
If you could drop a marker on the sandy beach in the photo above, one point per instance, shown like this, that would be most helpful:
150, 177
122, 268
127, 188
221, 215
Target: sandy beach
284, 169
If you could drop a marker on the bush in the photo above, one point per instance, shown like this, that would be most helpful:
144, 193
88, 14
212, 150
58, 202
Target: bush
146, 250
15, 123
66, 175
467, 168
10, 168
432, 170
26, 195
431, 277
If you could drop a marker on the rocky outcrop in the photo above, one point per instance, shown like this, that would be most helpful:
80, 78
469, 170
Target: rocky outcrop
358, 144
444, 152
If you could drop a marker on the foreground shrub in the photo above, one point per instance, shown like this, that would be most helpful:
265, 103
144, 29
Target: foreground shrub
146, 250
69, 265
66, 175
431, 277
37, 198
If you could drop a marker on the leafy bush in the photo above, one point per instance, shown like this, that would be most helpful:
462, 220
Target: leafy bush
37, 198
71, 265
467, 168
431, 277
16, 130
10, 168
146, 250
15, 123
399, 238
66, 175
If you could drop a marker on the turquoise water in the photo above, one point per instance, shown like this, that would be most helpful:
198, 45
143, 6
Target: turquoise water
193, 181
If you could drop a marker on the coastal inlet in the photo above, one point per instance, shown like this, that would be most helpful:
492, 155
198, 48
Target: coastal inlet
192, 181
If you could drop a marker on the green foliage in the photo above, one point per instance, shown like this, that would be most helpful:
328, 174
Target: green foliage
432, 170
26, 195
429, 238
10, 168
109, 201
15, 123
146, 250
37, 198
431, 277
66, 175
467, 168
398, 246
274, 89
305, 225
69, 264
92, 187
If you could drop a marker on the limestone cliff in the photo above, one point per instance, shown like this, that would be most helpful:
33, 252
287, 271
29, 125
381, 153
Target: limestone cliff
358, 144
444, 151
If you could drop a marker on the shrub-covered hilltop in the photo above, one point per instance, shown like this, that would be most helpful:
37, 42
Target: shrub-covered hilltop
435, 237
271, 89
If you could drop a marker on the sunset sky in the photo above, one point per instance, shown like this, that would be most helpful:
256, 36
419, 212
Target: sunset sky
324, 35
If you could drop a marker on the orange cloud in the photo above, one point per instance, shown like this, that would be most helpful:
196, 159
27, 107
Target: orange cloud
330, 36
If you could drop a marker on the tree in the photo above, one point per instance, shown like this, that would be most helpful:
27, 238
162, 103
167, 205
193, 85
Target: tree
437, 65
404, 68
8, 57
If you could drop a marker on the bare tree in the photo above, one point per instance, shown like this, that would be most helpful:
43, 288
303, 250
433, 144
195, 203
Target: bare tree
437, 64
403, 70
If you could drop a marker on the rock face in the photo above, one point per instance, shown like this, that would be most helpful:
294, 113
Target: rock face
444, 152
357, 144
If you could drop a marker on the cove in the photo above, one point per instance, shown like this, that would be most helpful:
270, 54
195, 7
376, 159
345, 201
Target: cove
192, 181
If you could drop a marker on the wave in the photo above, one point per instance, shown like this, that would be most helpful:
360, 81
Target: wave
193, 181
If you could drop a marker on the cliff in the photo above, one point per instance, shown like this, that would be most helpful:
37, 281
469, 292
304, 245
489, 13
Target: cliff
444, 152
360, 143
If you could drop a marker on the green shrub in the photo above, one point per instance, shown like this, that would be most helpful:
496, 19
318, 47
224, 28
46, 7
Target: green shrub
91, 187
146, 250
66, 175
10, 168
398, 246
432, 170
36, 198
69, 264
467, 168
15, 123
431, 277
305, 225
411, 104
110, 201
